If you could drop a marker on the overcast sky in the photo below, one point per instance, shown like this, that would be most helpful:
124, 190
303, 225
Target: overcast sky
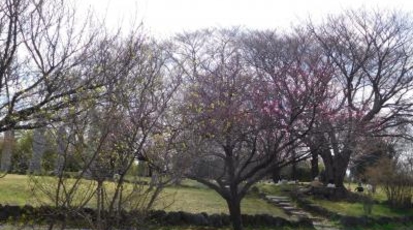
164, 17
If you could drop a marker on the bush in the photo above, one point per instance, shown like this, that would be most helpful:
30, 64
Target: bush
396, 180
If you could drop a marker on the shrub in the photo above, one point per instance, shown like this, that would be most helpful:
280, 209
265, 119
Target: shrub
396, 180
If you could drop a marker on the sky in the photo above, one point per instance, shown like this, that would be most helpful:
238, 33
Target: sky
166, 17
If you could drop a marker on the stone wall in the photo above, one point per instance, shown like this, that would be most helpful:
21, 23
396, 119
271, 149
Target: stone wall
47, 214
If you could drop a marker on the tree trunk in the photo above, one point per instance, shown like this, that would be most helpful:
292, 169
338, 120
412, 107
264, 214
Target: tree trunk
100, 206
276, 175
150, 171
314, 164
328, 175
61, 150
340, 167
294, 167
39, 147
234, 206
335, 170
7, 150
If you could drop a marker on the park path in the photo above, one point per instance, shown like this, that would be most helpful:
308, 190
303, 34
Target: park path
285, 203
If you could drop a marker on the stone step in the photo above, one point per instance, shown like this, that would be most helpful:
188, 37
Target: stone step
320, 226
317, 223
314, 205
278, 198
325, 228
316, 219
289, 208
299, 213
284, 204
279, 201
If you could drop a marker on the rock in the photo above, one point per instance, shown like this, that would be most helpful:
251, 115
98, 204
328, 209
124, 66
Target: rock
351, 221
173, 218
225, 219
215, 220
384, 220
305, 222
157, 215
194, 219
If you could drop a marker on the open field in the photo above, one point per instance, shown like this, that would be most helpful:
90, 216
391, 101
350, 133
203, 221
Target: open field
191, 197
194, 197
197, 200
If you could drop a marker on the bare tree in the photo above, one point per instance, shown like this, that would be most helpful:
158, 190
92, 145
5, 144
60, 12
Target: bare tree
111, 132
372, 54
42, 46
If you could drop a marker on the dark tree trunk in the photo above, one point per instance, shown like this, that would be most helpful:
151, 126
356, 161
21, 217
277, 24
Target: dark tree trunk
276, 175
340, 167
150, 171
328, 174
7, 151
61, 150
38, 147
234, 206
294, 171
335, 170
315, 171
294, 167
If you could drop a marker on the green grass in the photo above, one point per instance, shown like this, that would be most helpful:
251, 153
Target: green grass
379, 195
228, 228
12, 227
14, 190
198, 200
272, 189
190, 197
390, 226
356, 209
194, 197
346, 208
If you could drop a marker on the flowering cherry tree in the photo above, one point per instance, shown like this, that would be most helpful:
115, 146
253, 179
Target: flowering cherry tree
241, 122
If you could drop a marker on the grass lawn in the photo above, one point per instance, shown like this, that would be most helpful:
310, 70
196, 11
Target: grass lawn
346, 208
190, 197
272, 189
391, 226
379, 195
13, 227
356, 209
228, 228
14, 190
196, 200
